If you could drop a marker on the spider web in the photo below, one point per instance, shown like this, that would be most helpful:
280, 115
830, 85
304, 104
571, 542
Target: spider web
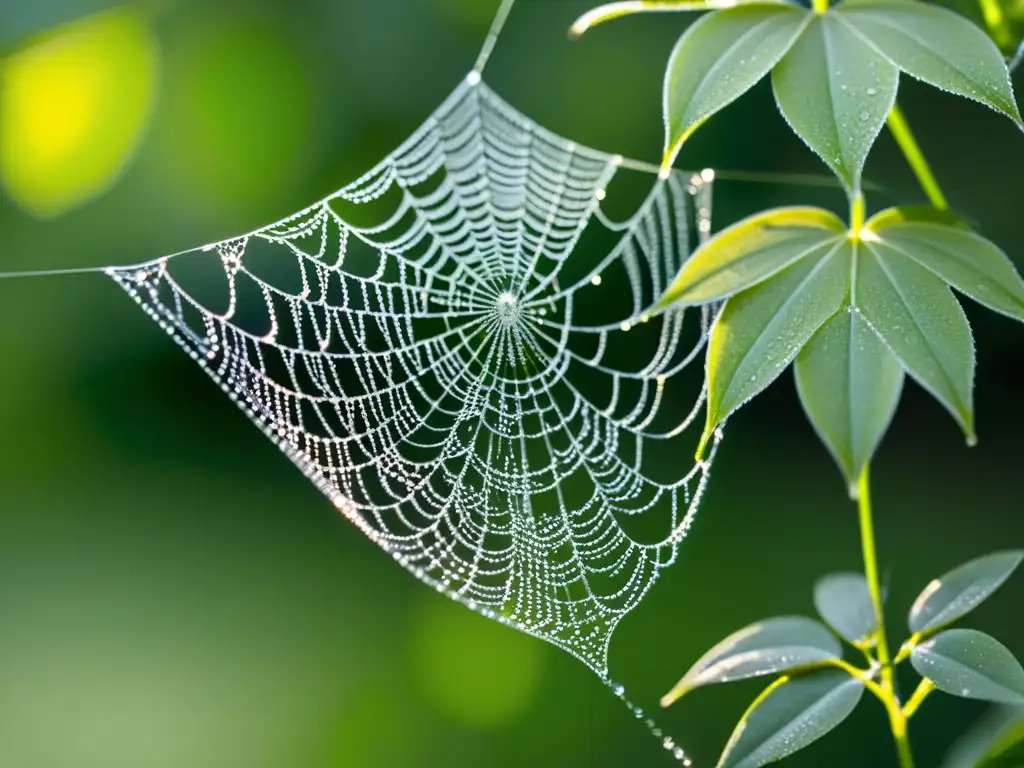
432, 347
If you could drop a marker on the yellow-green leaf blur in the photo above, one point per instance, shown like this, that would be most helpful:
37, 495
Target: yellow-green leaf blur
73, 108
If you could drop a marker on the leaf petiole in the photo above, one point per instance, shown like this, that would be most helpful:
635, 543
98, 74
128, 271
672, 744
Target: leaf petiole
924, 688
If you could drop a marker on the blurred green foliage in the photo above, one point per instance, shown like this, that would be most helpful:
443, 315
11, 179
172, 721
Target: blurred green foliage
174, 593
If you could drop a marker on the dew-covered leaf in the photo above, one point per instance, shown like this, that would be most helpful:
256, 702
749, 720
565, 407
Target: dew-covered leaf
960, 591
919, 319
970, 263
767, 647
937, 46
996, 741
914, 214
761, 330
719, 58
751, 251
971, 664
844, 602
849, 385
789, 715
835, 91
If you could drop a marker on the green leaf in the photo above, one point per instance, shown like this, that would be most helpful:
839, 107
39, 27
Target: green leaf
994, 742
750, 251
610, 11
761, 330
960, 591
968, 262
914, 214
968, 663
937, 46
835, 91
719, 58
845, 604
849, 384
920, 320
789, 715
765, 648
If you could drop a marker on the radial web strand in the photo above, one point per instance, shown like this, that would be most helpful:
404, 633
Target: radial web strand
455, 349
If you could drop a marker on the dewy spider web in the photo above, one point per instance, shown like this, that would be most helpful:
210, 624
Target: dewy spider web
429, 346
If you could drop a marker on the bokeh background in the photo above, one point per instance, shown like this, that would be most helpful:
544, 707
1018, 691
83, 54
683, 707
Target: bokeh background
174, 593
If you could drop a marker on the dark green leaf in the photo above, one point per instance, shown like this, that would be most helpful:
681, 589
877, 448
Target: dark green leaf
719, 58
920, 320
849, 384
960, 591
750, 251
789, 715
767, 647
968, 262
835, 91
968, 663
995, 742
760, 330
844, 602
935, 45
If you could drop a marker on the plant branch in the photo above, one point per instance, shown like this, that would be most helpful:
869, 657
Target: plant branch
897, 720
900, 130
923, 689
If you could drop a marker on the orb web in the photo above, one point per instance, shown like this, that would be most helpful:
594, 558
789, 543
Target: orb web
457, 350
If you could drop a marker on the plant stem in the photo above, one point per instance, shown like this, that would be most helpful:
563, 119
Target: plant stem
914, 702
900, 130
819, 6
897, 720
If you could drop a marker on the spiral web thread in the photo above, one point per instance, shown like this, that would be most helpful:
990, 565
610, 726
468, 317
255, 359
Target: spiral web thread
423, 370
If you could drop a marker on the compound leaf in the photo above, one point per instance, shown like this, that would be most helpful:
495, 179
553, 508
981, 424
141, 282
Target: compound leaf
920, 320
849, 385
719, 58
791, 713
751, 251
970, 263
843, 600
937, 46
767, 647
761, 329
835, 91
970, 664
957, 593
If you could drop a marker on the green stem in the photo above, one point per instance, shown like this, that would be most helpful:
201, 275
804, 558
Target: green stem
897, 720
900, 130
819, 6
914, 702
995, 19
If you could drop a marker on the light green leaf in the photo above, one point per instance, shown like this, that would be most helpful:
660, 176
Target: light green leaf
844, 602
750, 251
849, 384
760, 330
789, 715
610, 11
968, 262
920, 320
765, 648
914, 214
970, 664
992, 743
957, 593
719, 58
835, 91
937, 46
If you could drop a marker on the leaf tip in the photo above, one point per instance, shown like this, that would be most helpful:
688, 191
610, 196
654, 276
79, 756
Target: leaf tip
972, 439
